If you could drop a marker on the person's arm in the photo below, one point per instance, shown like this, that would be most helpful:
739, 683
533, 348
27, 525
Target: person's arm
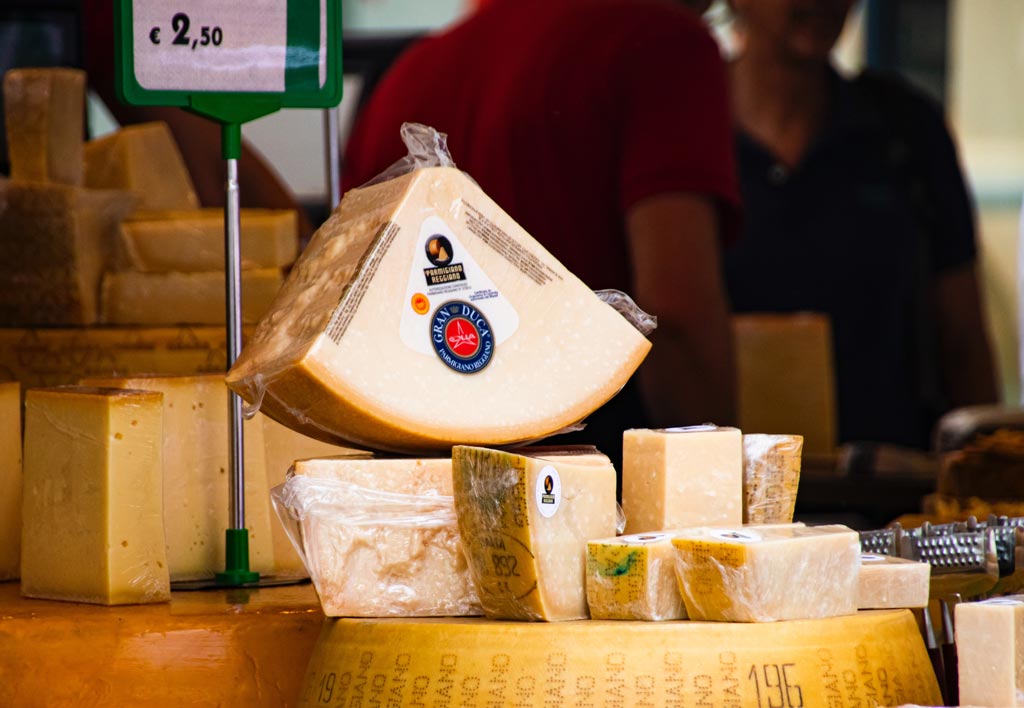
689, 376
968, 374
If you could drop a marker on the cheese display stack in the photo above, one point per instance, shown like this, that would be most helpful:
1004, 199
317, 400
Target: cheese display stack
10, 480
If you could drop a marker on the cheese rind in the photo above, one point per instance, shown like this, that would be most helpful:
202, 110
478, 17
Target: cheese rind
680, 477
990, 651
525, 522
633, 578
767, 573
369, 339
93, 513
380, 537
888, 582
10, 480
44, 112
771, 477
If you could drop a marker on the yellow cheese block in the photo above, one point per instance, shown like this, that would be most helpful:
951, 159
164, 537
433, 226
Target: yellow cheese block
380, 537
44, 110
190, 241
10, 480
55, 242
420, 296
768, 573
525, 522
771, 477
682, 477
93, 504
236, 647
130, 297
868, 659
990, 651
887, 582
196, 479
633, 578
141, 158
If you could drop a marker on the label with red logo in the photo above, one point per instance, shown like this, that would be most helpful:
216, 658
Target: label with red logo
462, 337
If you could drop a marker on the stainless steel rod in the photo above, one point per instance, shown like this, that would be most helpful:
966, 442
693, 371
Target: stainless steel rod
233, 280
333, 163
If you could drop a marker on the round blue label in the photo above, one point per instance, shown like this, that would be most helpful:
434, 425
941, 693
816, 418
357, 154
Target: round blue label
462, 337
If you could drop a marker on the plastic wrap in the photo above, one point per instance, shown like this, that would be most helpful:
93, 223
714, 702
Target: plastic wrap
990, 651
373, 552
44, 109
766, 574
526, 522
889, 582
771, 476
633, 578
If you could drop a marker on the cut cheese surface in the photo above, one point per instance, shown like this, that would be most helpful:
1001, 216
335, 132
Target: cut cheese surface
380, 536
681, 477
196, 477
990, 651
771, 477
145, 159
136, 298
377, 340
768, 573
525, 522
10, 480
44, 110
633, 578
888, 582
93, 502
193, 240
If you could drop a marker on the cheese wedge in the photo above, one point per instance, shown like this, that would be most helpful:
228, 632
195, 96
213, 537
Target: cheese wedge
93, 501
145, 159
190, 241
196, 478
130, 297
380, 537
682, 477
633, 578
887, 582
44, 110
377, 340
525, 522
990, 651
768, 573
771, 477
10, 480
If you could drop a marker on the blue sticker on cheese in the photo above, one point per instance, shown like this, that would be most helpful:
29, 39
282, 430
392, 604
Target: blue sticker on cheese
462, 337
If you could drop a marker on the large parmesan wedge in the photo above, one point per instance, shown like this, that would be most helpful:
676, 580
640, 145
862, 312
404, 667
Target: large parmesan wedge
421, 316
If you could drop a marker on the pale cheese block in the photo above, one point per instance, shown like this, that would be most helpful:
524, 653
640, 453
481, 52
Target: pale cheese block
768, 573
680, 477
190, 241
420, 296
888, 582
55, 242
990, 651
145, 159
771, 477
130, 297
380, 537
10, 480
633, 578
525, 522
197, 479
93, 501
44, 110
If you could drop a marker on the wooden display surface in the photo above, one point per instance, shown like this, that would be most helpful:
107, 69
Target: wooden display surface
236, 647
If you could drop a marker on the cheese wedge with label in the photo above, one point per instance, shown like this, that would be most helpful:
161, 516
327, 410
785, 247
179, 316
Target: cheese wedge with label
771, 477
190, 241
680, 477
378, 340
93, 501
633, 578
130, 297
10, 480
525, 522
196, 478
768, 573
990, 651
380, 537
44, 110
888, 582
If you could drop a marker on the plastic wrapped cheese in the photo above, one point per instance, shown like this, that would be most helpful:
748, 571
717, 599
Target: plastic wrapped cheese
771, 477
633, 578
990, 651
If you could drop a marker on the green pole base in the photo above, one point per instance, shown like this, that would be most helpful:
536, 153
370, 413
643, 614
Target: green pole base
236, 560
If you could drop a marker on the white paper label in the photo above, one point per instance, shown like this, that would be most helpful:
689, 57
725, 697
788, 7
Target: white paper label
548, 492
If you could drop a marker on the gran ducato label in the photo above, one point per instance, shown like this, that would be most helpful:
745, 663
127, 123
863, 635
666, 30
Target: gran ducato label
462, 337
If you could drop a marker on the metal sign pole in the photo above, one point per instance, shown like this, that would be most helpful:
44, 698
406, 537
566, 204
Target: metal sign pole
333, 150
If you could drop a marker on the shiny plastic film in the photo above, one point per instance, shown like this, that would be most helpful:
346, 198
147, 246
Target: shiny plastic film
633, 578
418, 295
622, 303
771, 477
526, 522
768, 573
372, 551
890, 582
